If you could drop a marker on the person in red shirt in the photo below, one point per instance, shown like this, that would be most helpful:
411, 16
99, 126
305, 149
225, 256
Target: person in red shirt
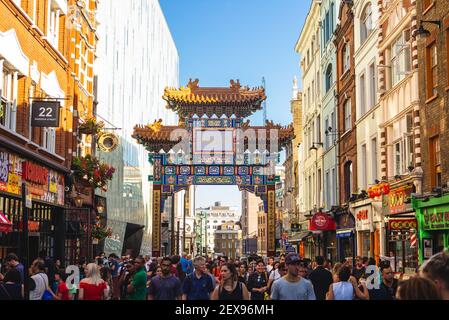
63, 292
93, 287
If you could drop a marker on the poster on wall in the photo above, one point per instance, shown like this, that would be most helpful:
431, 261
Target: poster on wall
428, 248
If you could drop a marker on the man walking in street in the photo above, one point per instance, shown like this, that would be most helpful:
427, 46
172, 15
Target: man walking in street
292, 286
387, 288
360, 269
13, 263
197, 285
321, 279
166, 286
137, 289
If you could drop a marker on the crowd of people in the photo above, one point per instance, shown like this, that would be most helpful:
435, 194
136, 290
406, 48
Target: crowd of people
182, 278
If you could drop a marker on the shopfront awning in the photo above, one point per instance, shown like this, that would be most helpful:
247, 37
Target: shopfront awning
5, 224
300, 236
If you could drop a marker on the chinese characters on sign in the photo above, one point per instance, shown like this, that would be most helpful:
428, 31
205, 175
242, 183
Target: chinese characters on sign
271, 221
156, 222
436, 220
398, 200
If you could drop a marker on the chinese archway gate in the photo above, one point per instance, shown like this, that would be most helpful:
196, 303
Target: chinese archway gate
213, 145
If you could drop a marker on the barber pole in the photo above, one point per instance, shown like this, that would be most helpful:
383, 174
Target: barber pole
413, 239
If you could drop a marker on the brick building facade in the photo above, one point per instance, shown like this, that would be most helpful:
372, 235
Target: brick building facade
346, 103
47, 52
434, 95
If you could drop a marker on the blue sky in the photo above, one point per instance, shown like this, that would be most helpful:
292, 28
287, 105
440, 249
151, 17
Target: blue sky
219, 40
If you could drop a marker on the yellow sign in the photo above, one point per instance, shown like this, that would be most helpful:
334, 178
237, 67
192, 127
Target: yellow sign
271, 238
13, 183
156, 220
53, 188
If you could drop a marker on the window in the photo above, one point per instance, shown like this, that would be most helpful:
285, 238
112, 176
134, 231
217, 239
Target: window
374, 159
400, 58
318, 79
319, 187
366, 23
431, 70
53, 23
334, 127
332, 22
409, 141
328, 78
346, 56
8, 96
327, 183
363, 171
313, 91
435, 162
326, 140
327, 29
308, 97
372, 85
49, 139
310, 191
318, 129
447, 52
362, 93
334, 187
397, 158
348, 179
348, 124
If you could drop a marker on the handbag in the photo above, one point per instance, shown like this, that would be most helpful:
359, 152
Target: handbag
47, 295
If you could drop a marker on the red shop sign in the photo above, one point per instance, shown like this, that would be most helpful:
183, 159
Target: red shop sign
322, 222
362, 215
34, 173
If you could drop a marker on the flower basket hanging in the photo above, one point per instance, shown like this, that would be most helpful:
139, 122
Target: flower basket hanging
100, 233
89, 169
91, 126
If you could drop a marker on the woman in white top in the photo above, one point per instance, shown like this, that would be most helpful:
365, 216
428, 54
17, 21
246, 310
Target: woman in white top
39, 282
346, 288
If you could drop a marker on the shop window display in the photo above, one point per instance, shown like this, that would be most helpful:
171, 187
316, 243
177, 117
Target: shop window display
405, 257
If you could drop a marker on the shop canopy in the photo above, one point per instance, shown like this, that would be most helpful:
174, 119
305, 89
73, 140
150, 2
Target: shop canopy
5, 224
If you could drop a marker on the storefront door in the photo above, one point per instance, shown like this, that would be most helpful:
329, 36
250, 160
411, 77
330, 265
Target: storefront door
406, 258
438, 241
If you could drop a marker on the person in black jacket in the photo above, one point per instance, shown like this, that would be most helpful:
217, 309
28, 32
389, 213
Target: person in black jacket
258, 282
321, 279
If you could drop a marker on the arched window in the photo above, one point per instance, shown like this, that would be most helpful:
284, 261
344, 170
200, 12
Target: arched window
329, 78
366, 23
346, 56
